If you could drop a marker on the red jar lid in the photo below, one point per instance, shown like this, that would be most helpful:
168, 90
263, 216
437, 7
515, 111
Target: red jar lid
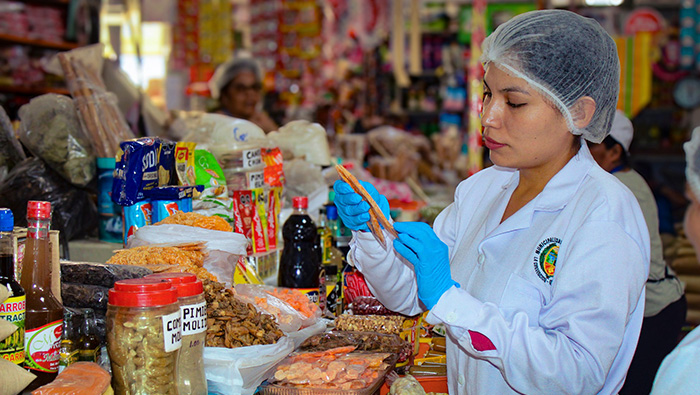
300, 202
38, 209
185, 283
142, 292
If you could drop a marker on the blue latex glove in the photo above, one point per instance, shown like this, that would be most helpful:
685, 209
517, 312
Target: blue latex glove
419, 244
352, 209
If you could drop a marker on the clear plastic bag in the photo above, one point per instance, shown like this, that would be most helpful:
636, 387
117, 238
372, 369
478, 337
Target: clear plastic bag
276, 301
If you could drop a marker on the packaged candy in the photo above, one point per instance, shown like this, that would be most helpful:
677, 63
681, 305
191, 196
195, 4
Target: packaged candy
136, 170
260, 221
136, 216
272, 214
244, 211
274, 172
184, 163
207, 170
166, 163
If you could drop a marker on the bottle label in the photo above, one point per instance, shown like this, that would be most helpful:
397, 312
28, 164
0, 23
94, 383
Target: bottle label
311, 293
13, 310
172, 335
42, 347
194, 318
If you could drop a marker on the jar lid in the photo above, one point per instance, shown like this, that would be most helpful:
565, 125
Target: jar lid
7, 220
142, 292
186, 284
38, 209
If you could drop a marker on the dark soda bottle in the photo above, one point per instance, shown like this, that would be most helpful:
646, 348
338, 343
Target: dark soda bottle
300, 266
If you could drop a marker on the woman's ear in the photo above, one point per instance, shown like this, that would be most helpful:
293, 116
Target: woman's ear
582, 111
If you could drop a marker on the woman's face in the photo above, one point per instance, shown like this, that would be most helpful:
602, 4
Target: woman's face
691, 221
521, 129
242, 95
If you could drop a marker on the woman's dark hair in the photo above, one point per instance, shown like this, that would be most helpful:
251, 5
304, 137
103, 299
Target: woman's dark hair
610, 143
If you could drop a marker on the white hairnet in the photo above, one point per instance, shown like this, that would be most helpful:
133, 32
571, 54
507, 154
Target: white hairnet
228, 70
692, 162
566, 57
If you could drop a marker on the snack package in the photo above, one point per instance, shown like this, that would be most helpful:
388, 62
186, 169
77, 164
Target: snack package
80, 378
136, 170
136, 216
288, 319
245, 273
272, 216
184, 163
364, 341
207, 170
166, 201
243, 212
166, 163
299, 301
274, 168
260, 232
366, 305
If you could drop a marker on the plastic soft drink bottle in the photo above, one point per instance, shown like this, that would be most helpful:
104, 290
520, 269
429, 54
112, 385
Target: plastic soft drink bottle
300, 266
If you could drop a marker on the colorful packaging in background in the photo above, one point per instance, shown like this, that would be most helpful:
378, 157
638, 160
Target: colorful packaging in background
243, 212
260, 221
166, 164
136, 216
274, 170
184, 163
207, 170
245, 273
136, 170
110, 225
166, 201
273, 208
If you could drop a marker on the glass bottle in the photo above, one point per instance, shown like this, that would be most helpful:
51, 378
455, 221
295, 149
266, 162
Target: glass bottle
89, 344
12, 309
44, 314
68, 352
300, 266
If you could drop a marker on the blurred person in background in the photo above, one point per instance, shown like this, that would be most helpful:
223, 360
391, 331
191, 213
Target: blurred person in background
237, 85
678, 373
665, 307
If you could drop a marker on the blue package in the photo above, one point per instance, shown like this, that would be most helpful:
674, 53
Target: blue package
136, 216
136, 170
166, 201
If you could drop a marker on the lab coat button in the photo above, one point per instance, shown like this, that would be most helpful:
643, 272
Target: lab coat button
481, 259
451, 317
460, 380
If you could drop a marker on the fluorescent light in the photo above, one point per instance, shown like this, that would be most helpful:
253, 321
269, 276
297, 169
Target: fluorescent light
603, 3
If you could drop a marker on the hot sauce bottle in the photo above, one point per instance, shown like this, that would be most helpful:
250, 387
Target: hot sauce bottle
44, 313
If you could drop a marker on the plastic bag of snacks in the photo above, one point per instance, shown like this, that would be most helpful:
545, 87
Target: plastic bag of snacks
288, 305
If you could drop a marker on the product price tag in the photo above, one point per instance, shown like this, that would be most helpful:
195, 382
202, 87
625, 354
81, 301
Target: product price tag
194, 318
252, 158
256, 179
172, 335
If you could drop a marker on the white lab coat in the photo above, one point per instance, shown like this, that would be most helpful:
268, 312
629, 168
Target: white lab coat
571, 333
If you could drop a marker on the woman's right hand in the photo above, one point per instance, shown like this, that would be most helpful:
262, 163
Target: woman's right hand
352, 209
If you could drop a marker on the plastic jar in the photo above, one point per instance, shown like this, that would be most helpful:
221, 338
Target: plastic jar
143, 336
193, 309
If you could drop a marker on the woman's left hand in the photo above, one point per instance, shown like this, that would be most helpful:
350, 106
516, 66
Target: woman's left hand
418, 243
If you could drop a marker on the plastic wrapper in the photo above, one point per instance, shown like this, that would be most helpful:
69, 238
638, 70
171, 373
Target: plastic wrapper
80, 378
303, 140
367, 305
51, 130
74, 212
288, 319
302, 179
334, 371
372, 323
363, 341
85, 296
240, 370
221, 135
224, 248
11, 152
136, 170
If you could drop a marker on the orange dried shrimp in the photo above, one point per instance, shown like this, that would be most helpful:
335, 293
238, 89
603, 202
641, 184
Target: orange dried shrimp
187, 257
197, 220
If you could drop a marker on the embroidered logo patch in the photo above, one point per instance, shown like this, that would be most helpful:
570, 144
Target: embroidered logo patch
545, 258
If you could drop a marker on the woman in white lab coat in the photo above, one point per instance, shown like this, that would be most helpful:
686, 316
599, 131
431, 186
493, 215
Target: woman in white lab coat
537, 267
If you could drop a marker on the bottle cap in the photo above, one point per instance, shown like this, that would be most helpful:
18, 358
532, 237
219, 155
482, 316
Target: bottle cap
38, 209
331, 195
331, 212
7, 220
185, 283
300, 202
142, 292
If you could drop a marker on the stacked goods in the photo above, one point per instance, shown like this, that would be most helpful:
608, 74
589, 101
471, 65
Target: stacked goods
232, 323
363, 341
